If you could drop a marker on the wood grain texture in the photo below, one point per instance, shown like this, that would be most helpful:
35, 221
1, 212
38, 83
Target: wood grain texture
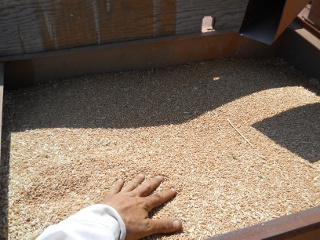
40, 25
228, 14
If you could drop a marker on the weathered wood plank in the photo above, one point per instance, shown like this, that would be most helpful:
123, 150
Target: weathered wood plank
228, 14
40, 25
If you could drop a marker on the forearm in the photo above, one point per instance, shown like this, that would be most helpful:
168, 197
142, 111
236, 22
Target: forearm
95, 222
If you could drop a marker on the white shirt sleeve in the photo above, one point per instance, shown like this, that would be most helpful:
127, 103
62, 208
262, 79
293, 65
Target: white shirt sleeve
95, 222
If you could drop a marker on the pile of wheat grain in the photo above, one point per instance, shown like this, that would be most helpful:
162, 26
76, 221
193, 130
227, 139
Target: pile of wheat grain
70, 140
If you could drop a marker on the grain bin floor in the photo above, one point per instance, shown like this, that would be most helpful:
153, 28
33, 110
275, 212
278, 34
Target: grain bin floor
68, 141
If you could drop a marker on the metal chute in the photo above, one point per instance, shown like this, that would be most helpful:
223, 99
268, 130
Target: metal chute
265, 20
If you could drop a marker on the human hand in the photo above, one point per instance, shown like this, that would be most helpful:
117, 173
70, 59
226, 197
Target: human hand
134, 202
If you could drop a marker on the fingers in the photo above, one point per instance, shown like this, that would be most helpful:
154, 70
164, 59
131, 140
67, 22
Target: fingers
145, 189
116, 187
157, 199
163, 225
133, 183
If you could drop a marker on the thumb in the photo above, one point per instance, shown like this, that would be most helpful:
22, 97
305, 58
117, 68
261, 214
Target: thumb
164, 225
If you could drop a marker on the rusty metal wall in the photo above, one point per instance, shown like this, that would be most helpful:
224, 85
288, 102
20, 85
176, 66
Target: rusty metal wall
133, 55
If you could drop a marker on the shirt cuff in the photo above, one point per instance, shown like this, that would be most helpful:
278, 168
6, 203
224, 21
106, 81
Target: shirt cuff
105, 215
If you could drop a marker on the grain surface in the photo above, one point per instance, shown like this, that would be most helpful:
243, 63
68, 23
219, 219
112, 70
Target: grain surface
66, 142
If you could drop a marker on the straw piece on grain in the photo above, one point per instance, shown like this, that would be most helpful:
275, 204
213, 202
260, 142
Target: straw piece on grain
240, 133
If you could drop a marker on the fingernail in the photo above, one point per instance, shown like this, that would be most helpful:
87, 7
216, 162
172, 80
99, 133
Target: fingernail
160, 178
176, 224
173, 189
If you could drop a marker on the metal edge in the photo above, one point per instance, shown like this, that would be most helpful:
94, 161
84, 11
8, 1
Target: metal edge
281, 228
2, 189
1, 100
83, 49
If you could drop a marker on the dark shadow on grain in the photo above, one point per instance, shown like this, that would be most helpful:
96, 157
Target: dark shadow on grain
297, 130
140, 99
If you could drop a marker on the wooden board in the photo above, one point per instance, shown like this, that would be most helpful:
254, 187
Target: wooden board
34, 25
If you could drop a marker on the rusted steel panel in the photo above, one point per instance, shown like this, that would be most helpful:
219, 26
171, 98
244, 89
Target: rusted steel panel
306, 23
301, 49
295, 226
131, 55
314, 14
33, 26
